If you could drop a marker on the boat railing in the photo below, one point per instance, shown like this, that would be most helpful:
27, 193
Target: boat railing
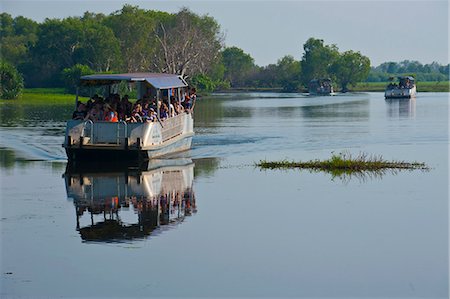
85, 128
173, 127
125, 133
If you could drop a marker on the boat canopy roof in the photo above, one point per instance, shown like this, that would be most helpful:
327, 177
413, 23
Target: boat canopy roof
157, 80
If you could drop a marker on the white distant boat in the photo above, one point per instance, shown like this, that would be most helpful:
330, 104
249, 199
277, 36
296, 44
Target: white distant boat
88, 140
404, 88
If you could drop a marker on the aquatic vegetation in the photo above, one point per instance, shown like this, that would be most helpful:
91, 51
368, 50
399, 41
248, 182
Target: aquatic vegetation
344, 164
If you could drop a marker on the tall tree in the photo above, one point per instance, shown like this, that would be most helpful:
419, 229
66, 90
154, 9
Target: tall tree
188, 44
64, 43
16, 37
134, 28
288, 70
350, 68
238, 65
317, 59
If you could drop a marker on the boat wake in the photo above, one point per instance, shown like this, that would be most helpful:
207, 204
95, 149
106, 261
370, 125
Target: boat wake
32, 145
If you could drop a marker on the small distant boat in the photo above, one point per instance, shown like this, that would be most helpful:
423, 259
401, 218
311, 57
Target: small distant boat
321, 87
402, 88
122, 140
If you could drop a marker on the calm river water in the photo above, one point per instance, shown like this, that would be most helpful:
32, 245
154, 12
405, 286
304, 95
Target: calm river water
211, 224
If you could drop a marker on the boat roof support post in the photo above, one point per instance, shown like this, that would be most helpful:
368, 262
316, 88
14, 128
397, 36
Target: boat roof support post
158, 95
76, 98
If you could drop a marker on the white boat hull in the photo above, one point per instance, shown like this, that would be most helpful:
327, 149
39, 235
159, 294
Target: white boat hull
125, 141
400, 93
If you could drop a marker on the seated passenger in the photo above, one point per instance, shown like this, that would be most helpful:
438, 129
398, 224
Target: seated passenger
172, 111
178, 107
164, 113
110, 114
136, 114
96, 112
126, 105
151, 116
80, 113
186, 100
192, 97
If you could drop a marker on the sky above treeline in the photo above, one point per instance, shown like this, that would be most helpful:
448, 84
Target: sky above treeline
268, 30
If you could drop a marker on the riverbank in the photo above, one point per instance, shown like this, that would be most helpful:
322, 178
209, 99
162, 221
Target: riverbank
60, 96
428, 86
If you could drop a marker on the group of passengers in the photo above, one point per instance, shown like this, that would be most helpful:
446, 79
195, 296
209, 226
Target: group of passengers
114, 109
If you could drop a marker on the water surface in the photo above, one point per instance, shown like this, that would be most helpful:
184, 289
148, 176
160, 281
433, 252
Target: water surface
250, 233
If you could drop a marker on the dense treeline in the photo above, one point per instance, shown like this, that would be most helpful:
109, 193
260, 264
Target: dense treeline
428, 72
319, 61
57, 52
129, 40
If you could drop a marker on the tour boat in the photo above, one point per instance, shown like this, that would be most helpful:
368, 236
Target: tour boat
404, 88
320, 87
121, 203
88, 140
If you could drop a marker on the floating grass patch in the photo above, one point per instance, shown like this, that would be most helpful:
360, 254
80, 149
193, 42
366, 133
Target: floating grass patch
346, 164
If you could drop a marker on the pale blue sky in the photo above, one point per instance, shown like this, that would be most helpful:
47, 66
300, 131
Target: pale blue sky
268, 30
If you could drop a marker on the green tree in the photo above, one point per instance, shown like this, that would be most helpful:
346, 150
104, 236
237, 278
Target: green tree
203, 83
64, 43
238, 65
71, 76
134, 29
317, 59
349, 68
11, 82
16, 37
99, 49
288, 73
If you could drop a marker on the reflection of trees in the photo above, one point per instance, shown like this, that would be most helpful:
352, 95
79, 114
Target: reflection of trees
11, 114
8, 159
210, 110
114, 205
205, 167
31, 114
347, 110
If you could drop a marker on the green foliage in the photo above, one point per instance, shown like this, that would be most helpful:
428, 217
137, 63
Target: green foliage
203, 83
288, 73
16, 37
71, 76
317, 60
11, 82
134, 28
238, 65
428, 72
350, 68
430, 86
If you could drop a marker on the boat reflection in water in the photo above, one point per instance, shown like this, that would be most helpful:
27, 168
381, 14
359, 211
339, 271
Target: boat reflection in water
127, 203
401, 108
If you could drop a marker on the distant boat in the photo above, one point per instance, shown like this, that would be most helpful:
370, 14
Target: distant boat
402, 88
123, 140
321, 87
